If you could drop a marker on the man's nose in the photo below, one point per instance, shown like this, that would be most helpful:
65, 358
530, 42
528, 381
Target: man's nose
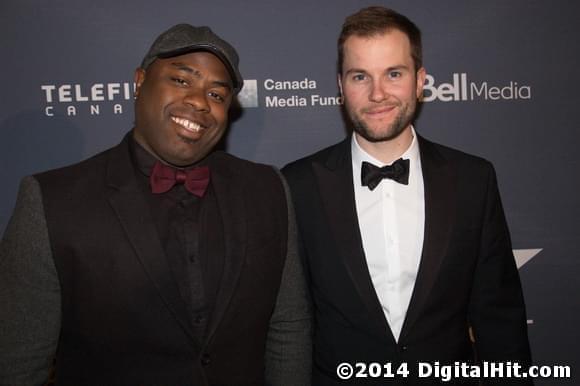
197, 98
379, 91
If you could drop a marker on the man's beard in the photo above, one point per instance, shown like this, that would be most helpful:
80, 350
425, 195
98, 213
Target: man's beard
401, 121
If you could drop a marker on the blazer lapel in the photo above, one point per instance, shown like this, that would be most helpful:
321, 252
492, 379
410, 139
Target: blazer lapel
232, 211
439, 212
336, 186
126, 198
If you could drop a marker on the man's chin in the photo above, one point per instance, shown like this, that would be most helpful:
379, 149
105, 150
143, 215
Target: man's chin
379, 135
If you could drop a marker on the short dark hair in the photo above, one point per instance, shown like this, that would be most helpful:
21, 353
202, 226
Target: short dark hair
372, 21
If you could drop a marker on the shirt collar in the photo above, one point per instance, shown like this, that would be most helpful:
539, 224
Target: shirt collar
142, 159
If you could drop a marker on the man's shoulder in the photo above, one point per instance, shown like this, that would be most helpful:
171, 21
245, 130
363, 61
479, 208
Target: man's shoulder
88, 168
231, 162
458, 158
253, 175
328, 154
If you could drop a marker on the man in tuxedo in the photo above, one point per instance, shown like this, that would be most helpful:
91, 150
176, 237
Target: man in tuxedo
404, 240
158, 261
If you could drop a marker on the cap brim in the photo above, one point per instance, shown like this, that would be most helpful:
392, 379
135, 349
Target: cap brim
208, 48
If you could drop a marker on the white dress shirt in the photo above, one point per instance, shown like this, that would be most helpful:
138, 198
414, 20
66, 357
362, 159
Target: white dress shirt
391, 219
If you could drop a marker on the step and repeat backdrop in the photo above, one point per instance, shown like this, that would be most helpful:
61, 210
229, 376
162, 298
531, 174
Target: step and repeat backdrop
502, 84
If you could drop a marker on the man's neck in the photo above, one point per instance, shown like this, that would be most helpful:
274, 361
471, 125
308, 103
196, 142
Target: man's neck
390, 150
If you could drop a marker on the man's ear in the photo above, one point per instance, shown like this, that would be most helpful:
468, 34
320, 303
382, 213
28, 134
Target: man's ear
421, 74
339, 79
139, 78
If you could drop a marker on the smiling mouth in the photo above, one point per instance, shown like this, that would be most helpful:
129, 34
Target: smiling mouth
188, 125
378, 111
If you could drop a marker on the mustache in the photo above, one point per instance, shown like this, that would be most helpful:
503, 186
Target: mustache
382, 105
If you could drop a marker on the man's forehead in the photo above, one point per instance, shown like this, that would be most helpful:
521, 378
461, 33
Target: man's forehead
198, 62
369, 48
392, 35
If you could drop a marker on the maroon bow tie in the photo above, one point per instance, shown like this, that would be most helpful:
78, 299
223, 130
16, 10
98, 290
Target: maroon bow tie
164, 177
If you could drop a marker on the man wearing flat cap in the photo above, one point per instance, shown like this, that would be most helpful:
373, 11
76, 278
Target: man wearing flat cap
158, 261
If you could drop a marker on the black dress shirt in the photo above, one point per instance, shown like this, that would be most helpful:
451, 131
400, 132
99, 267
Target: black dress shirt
191, 233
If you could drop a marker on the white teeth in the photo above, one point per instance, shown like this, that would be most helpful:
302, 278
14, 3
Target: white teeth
187, 124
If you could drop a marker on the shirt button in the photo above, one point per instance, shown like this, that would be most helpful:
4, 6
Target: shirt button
205, 360
404, 348
198, 319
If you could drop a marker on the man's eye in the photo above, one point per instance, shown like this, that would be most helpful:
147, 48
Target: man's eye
216, 96
181, 82
394, 74
359, 77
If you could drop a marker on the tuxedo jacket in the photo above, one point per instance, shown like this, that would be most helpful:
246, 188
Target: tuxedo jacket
467, 275
83, 272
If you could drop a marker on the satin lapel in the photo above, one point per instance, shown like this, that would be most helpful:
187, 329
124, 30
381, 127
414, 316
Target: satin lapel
230, 199
127, 200
336, 188
439, 211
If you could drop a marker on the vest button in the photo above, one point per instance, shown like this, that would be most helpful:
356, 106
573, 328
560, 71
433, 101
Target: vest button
205, 360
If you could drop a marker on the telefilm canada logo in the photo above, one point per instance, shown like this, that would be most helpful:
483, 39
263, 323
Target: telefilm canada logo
87, 99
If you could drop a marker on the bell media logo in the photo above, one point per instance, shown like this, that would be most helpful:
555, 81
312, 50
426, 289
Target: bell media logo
461, 89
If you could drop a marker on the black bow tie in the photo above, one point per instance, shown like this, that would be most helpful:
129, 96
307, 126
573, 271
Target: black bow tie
372, 175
